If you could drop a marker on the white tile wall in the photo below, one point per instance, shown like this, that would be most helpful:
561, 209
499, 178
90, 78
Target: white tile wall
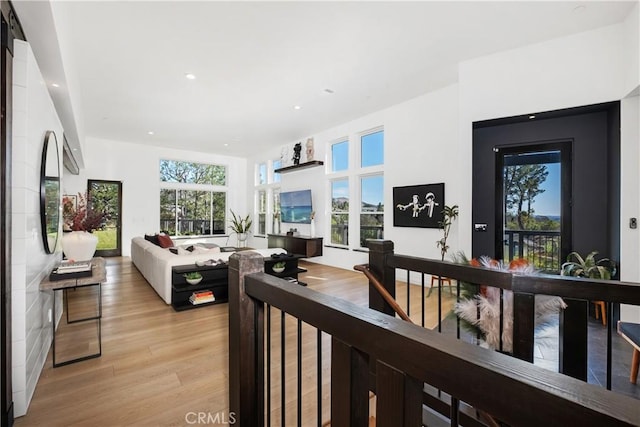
33, 114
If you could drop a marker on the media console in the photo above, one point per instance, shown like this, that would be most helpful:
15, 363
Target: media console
301, 245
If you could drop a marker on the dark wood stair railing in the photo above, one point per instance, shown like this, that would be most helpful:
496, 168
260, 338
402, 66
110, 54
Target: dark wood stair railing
407, 356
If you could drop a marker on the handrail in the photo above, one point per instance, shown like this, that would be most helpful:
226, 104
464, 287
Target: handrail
562, 286
382, 291
520, 394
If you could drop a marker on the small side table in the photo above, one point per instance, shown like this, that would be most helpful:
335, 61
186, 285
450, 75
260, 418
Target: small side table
98, 276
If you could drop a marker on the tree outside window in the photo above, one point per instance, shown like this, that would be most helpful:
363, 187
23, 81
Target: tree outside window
340, 212
371, 208
189, 205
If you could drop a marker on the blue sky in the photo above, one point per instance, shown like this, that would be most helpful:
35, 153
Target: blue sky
548, 203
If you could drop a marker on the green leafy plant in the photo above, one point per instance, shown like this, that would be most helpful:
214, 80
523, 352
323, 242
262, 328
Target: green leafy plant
450, 213
589, 267
240, 225
193, 275
280, 264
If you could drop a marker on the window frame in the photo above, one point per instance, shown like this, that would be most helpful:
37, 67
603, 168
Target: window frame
207, 188
354, 174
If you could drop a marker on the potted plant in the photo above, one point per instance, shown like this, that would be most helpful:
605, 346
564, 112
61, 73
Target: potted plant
449, 214
80, 221
193, 277
278, 267
240, 226
577, 266
589, 267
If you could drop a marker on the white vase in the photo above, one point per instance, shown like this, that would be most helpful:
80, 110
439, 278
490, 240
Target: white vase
79, 245
313, 228
242, 240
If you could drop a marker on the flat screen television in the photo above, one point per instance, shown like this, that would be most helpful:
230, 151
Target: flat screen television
295, 206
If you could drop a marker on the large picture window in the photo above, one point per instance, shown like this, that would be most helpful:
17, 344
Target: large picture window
192, 201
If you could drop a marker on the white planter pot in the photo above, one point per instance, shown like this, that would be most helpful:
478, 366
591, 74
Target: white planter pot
242, 240
79, 245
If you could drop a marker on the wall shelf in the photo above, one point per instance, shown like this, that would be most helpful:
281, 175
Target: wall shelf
311, 164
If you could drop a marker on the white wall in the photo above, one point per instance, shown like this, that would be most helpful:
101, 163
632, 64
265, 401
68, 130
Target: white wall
138, 167
33, 115
420, 143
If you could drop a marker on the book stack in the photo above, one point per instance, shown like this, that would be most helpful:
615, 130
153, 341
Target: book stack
71, 270
201, 297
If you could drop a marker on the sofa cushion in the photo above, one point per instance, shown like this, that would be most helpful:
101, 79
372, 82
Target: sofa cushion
165, 241
153, 238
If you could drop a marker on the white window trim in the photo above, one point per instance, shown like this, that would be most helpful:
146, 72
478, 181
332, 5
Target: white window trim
354, 173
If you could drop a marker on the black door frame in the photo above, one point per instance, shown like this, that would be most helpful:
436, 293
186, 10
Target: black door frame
564, 147
595, 164
118, 250
10, 30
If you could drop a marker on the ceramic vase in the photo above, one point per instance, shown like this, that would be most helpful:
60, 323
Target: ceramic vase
313, 228
79, 245
242, 240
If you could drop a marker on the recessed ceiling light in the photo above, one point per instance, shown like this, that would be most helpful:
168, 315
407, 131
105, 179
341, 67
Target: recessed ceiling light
150, 132
55, 85
226, 145
296, 107
533, 116
190, 76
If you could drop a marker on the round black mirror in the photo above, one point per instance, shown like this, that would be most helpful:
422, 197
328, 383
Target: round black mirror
50, 192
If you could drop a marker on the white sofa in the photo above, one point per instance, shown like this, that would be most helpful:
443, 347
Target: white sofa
155, 263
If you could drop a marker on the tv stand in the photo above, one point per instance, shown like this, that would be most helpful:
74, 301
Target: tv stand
301, 245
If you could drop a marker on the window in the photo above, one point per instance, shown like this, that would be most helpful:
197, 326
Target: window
277, 164
340, 156
372, 149
340, 212
262, 212
262, 174
361, 181
191, 200
276, 218
371, 208
192, 173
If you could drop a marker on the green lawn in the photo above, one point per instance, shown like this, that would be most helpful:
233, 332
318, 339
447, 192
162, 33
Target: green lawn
106, 238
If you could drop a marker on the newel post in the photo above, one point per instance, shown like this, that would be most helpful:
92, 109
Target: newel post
379, 250
246, 343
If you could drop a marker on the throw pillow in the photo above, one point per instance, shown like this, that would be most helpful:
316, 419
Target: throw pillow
165, 241
153, 238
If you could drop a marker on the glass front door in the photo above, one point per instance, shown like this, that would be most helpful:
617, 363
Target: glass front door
535, 204
106, 196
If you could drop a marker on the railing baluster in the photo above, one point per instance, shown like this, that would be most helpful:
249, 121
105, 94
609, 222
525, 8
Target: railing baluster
609, 329
299, 373
282, 369
455, 408
440, 304
422, 300
268, 373
408, 295
319, 376
349, 386
399, 398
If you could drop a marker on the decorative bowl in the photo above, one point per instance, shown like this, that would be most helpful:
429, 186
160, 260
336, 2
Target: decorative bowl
278, 269
194, 281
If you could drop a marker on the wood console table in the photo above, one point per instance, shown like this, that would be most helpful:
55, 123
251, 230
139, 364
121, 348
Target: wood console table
98, 276
301, 245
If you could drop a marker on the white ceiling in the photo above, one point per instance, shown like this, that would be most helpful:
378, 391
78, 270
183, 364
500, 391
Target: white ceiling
121, 65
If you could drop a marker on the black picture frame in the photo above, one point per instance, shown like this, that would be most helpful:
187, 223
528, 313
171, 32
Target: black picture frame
418, 205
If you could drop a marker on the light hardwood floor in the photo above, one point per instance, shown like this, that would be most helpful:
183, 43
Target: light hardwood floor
161, 367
